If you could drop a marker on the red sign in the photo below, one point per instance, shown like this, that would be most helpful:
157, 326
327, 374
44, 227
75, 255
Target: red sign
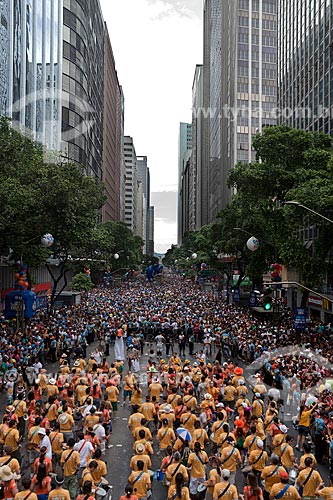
41, 287
314, 300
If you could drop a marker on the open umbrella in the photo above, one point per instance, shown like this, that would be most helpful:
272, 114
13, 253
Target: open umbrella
184, 434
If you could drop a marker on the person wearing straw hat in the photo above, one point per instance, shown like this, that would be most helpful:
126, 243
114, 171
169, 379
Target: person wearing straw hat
58, 492
51, 387
26, 493
140, 455
8, 479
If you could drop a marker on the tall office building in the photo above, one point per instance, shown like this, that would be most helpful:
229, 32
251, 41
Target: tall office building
242, 53
112, 134
52, 74
198, 203
305, 64
143, 176
31, 67
184, 145
151, 217
130, 184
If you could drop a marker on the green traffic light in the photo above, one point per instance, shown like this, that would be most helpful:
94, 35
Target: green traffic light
268, 306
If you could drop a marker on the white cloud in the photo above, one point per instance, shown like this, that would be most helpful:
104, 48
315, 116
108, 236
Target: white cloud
156, 44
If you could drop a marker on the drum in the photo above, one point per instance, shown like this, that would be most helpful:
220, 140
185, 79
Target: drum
160, 475
100, 493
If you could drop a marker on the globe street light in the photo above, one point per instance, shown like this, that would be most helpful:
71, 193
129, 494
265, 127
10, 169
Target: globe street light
297, 204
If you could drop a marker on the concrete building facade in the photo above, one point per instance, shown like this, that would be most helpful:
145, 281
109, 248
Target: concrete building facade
130, 183
112, 134
184, 145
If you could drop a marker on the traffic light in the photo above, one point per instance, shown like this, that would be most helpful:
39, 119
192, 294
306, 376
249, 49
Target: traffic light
268, 299
268, 302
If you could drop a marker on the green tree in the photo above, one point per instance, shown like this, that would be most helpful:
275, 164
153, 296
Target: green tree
81, 283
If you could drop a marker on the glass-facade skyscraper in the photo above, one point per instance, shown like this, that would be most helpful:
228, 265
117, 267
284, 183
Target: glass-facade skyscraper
305, 64
31, 67
52, 75
242, 58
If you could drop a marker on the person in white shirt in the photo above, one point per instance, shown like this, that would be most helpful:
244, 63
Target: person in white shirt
86, 450
45, 442
99, 431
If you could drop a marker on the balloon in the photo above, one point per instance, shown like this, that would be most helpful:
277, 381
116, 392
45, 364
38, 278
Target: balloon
194, 256
47, 240
17, 275
116, 256
20, 282
253, 244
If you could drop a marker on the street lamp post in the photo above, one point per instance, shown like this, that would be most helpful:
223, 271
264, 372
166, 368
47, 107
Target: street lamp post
297, 204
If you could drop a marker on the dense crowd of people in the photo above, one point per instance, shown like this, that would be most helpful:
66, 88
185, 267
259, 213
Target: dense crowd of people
204, 415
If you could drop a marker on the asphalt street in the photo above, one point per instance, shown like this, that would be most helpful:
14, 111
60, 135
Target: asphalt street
118, 456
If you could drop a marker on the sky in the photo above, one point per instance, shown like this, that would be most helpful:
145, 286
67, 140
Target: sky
157, 44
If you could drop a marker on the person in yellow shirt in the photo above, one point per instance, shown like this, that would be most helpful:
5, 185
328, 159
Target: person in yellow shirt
309, 480
58, 493
231, 458
70, 461
101, 470
148, 434
223, 439
214, 476
283, 490
250, 443
287, 454
51, 388
271, 475
82, 391
52, 410
134, 420
174, 398
224, 490
66, 423
199, 435
140, 456
307, 453
91, 418
149, 412
20, 409
130, 381
178, 491
190, 401
279, 440
27, 492
142, 440
112, 393
57, 441
136, 398
230, 393
258, 458
167, 413
187, 420
327, 491
197, 462
166, 436
304, 424
175, 467
140, 481
11, 438
258, 406
217, 430
7, 459
155, 389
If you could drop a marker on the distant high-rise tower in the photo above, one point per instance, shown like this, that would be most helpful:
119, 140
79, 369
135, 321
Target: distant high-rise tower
242, 56
130, 183
184, 146
305, 64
